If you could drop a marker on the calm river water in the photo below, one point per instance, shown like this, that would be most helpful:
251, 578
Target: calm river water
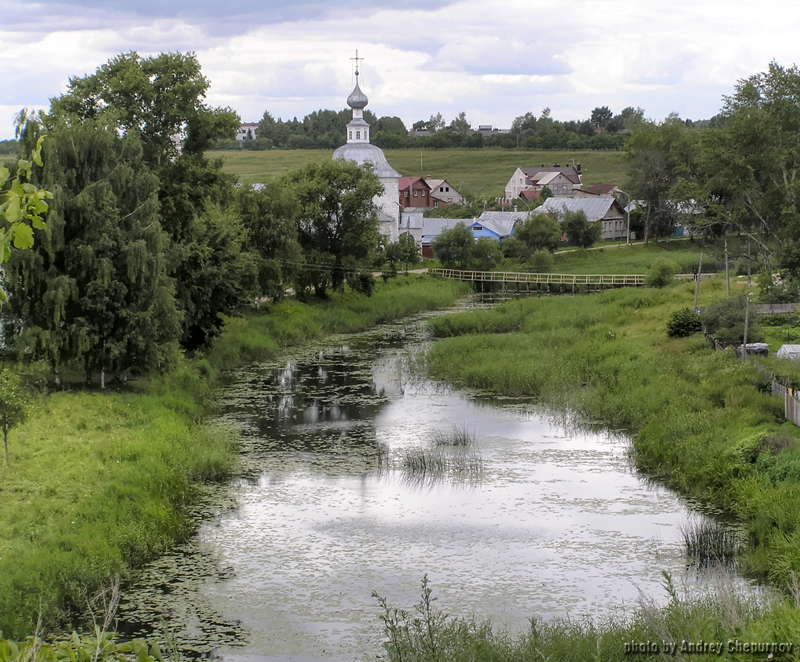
545, 521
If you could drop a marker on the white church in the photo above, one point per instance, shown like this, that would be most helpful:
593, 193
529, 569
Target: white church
359, 150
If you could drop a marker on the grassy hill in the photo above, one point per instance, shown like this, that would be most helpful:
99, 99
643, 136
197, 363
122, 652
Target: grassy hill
483, 172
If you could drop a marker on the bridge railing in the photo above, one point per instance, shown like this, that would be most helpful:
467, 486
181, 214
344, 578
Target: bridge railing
546, 278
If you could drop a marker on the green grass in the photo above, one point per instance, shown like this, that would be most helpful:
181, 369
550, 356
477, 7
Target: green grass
259, 335
101, 482
98, 484
424, 633
483, 172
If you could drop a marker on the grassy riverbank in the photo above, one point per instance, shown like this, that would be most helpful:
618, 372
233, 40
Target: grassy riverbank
701, 422
100, 482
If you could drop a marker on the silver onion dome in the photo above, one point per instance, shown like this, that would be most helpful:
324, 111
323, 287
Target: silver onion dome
357, 98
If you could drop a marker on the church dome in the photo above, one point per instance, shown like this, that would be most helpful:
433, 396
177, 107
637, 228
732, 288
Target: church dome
363, 153
357, 98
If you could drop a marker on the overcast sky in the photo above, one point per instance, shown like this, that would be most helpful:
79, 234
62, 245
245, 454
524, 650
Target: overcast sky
494, 60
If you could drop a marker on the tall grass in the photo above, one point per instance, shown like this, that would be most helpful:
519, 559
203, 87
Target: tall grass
701, 422
458, 436
425, 633
263, 334
709, 543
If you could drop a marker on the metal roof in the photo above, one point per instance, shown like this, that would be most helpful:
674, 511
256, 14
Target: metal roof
362, 153
594, 208
503, 220
432, 227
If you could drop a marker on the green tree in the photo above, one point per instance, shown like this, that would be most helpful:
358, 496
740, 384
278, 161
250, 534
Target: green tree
159, 100
269, 217
13, 404
337, 225
95, 286
460, 124
539, 232
748, 165
409, 251
453, 247
485, 254
659, 156
601, 116
579, 231
267, 128
435, 123
724, 319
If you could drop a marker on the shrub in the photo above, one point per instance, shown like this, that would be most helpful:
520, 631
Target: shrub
662, 272
684, 323
542, 261
724, 319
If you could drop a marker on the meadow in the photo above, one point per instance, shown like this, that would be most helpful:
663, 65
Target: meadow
480, 172
101, 481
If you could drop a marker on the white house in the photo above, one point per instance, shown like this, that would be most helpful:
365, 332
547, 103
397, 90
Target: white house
560, 180
244, 127
444, 192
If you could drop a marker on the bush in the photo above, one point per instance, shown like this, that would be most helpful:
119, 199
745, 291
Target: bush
542, 261
662, 272
724, 319
683, 323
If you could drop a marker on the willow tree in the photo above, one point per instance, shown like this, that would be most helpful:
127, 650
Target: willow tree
95, 287
160, 101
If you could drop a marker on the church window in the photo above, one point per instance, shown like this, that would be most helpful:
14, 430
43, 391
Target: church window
351, 135
358, 135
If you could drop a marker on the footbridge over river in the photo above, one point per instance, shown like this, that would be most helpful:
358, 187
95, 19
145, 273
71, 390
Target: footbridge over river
485, 281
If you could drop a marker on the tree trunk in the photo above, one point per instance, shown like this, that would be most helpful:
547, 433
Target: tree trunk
56, 374
102, 378
5, 441
647, 225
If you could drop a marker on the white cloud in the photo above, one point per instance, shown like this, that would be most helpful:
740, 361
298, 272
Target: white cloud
495, 59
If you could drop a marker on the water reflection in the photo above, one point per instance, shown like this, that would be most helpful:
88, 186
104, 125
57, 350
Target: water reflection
346, 491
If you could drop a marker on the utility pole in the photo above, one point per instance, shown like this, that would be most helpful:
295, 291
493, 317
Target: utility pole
727, 276
697, 283
748, 263
746, 320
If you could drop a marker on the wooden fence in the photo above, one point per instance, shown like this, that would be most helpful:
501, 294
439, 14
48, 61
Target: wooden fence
791, 401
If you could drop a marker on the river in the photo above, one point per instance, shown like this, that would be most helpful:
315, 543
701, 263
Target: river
532, 518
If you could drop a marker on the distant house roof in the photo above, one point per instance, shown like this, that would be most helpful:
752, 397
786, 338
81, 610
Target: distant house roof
405, 182
594, 208
530, 194
503, 222
570, 172
433, 227
602, 189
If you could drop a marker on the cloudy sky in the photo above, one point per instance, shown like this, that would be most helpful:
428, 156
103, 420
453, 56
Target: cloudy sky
493, 59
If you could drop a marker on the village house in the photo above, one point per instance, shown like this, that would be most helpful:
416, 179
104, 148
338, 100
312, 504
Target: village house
244, 128
602, 209
496, 225
562, 181
444, 193
414, 192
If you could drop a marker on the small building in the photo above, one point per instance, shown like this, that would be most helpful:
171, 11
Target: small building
560, 180
246, 131
605, 210
444, 193
789, 352
414, 192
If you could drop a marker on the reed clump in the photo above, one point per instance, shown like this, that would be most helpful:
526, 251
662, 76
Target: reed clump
709, 543
458, 436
